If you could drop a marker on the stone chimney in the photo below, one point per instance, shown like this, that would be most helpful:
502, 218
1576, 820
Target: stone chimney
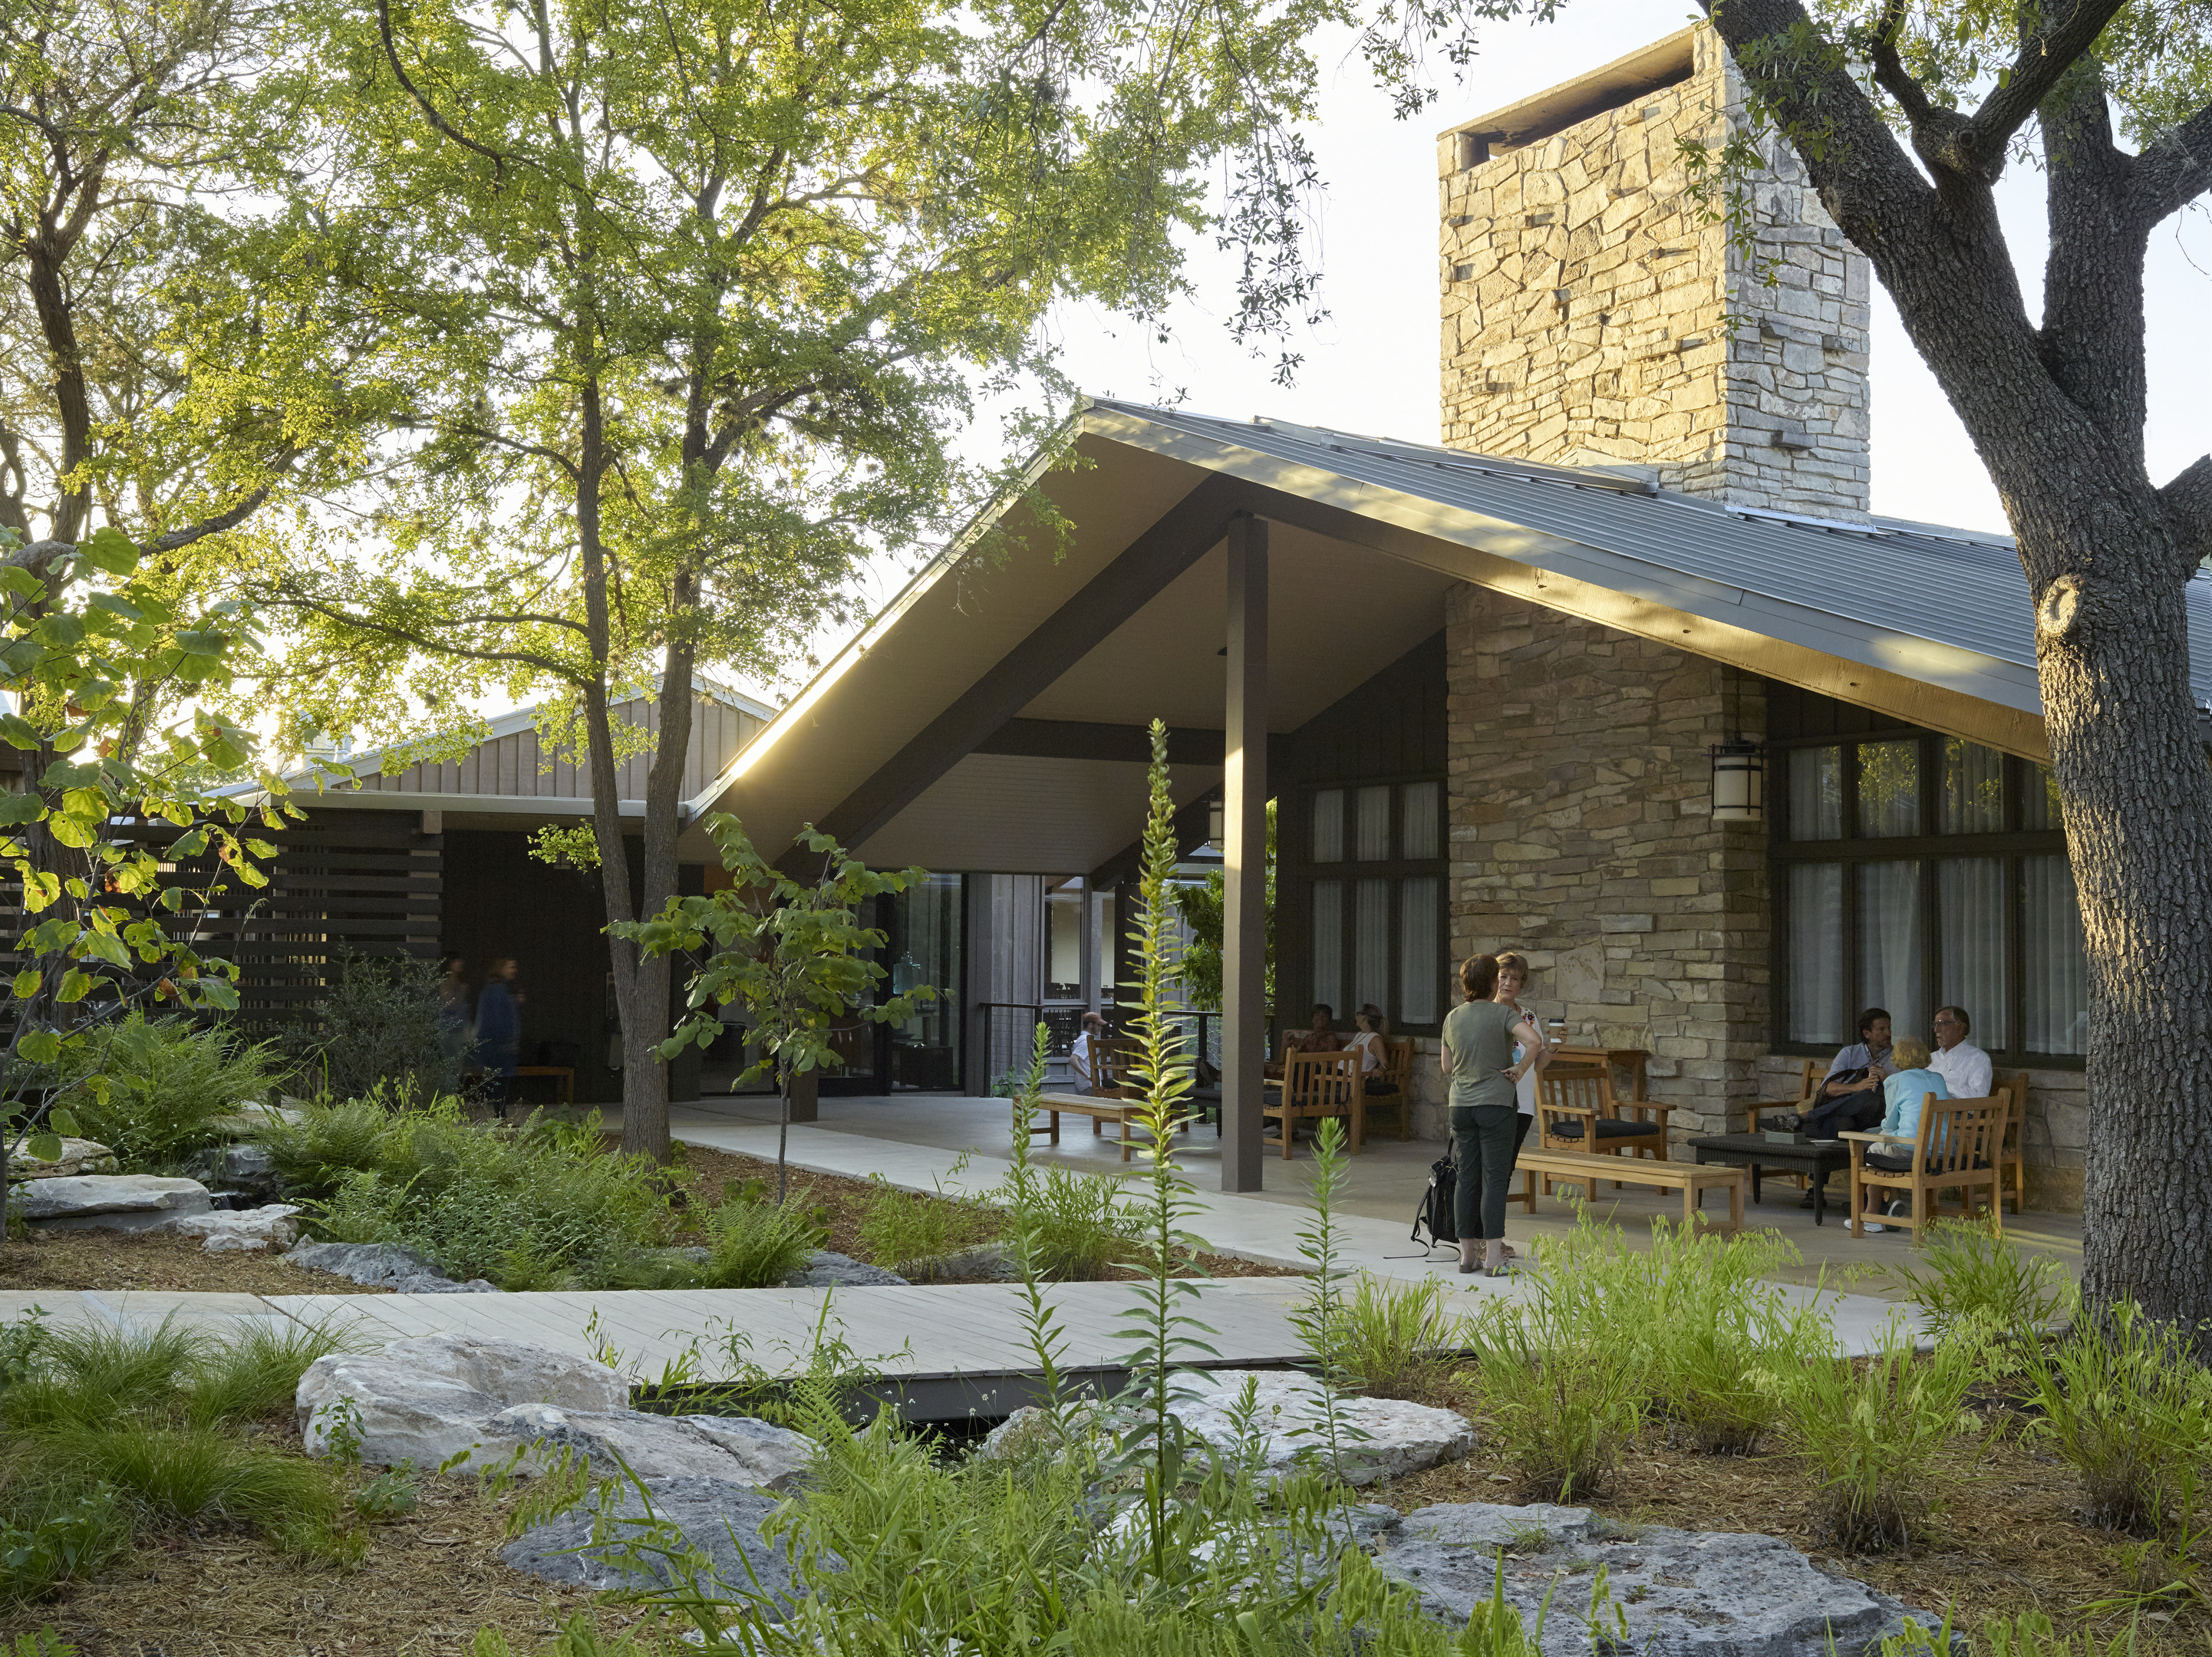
1592, 316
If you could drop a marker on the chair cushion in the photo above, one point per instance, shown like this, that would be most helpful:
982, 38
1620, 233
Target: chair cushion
1607, 1129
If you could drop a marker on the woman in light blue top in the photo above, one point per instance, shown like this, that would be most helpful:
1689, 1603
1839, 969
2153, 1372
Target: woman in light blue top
1905, 1091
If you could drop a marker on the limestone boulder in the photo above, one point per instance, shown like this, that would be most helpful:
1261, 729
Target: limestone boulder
1376, 1438
242, 1231
430, 1399
382, 1266
242, 1169
825, 1268
1683, 1594
77, 1157
110, 1202
719, 1520
734, 1449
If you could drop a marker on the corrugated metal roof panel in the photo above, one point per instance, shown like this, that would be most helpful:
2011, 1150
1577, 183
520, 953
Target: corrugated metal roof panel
1953, 587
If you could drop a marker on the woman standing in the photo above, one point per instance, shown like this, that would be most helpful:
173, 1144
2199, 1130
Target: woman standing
1512, 979
1478, 1065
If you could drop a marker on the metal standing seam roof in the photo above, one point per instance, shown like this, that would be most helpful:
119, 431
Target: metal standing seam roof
1958, 588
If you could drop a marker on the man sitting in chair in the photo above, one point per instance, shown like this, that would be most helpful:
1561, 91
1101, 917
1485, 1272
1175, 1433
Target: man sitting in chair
1906, 1092
1084, 1058
1958, 1060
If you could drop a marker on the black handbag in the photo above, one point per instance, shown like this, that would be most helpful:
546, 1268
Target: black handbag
1434, 1216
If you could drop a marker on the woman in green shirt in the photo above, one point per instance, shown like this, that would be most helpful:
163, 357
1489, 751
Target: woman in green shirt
1478, 1065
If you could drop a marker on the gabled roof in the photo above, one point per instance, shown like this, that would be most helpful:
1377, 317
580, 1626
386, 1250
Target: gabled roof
1887, 584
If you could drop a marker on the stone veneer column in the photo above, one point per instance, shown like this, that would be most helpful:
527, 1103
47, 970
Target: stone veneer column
1590, 315
1580, 795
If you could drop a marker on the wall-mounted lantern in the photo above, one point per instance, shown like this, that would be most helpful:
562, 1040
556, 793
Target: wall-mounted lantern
1739, 781
1213, 823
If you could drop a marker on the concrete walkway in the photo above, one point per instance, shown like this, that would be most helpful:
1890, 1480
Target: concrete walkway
1264, 1226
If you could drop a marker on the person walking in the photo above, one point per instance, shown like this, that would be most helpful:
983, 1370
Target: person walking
499, 1033
1483, 1078
454, 1020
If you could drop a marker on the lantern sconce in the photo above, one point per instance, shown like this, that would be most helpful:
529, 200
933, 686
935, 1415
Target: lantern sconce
1214, 827
1739, 781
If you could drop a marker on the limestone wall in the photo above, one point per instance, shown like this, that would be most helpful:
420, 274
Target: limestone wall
1591, 314
1580, 795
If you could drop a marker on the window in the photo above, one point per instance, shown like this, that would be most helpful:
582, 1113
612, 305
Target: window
1373, 885
1913, 871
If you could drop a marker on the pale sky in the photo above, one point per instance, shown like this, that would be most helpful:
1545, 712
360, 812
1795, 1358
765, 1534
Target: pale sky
1372, 366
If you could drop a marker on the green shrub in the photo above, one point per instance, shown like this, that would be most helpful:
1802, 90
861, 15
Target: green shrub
197, 1473
168, 1081
336, 1137
46, 1542
1872, 1429
1085, 1224
1397, 1339
911, 1232
1560, 1395
377, 1026
526, 1208
2123, 1402
1975, 1274
755, 1244
93, 1374
255, 1373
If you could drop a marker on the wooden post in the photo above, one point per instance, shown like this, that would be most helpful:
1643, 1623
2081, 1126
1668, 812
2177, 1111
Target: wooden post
1244, 854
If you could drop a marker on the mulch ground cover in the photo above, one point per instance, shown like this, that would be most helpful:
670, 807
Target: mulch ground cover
431, 1579
2006, 1534
154, 1259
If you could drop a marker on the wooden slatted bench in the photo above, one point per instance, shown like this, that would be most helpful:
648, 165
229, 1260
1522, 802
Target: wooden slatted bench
1099, 1108
1692, 1180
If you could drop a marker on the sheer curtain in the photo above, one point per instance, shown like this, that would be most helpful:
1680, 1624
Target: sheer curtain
1370, 946
1371, 808
1973, 788
1420, 815
1420, 971
2054, 957
1328, 826
1816, 793
1328, 948
1890, 956
1889, 791
1816, 952
1970, 912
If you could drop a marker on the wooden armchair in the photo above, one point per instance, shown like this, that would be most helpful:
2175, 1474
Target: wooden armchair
1957, 1148
1397, 1072
1808, 1083
1314, 1085
1117, 1059
1576, 1110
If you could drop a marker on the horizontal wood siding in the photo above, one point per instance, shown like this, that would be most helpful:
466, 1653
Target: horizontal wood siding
521, 766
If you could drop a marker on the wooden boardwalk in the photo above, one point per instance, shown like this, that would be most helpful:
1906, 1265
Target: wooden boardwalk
920, 1333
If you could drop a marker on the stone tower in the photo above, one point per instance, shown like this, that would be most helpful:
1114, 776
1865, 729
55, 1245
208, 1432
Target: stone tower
1592, 315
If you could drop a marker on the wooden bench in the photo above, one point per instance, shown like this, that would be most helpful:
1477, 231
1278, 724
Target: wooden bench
1692, 1180
1099, 1109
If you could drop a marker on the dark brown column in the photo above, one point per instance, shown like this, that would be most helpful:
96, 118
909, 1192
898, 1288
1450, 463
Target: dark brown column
1244, 852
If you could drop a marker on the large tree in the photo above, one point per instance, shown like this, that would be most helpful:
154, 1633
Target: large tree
698, 303
1906, 115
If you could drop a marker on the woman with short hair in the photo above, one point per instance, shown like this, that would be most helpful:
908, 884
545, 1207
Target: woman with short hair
1483, 1077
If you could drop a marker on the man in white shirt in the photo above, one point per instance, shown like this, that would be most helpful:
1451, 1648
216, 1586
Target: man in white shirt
1083, 1057
1963, 1067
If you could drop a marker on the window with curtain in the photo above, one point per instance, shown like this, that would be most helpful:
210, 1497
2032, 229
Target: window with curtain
1816, 953
1381, 937
1327, 944
1891, 970
1370, 946
1914, 870
1816, 793
1970, 910
1889, 789
2056, 1004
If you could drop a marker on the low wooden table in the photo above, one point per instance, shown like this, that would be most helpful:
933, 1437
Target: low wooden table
564, 1078
1692, 1180
1755, 1151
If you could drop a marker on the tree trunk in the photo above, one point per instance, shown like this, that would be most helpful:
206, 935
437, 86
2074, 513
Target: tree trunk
2127, 746
645, 1094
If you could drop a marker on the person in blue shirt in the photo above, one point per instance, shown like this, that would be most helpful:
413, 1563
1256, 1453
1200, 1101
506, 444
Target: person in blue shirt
499, 1032
1904, 1092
